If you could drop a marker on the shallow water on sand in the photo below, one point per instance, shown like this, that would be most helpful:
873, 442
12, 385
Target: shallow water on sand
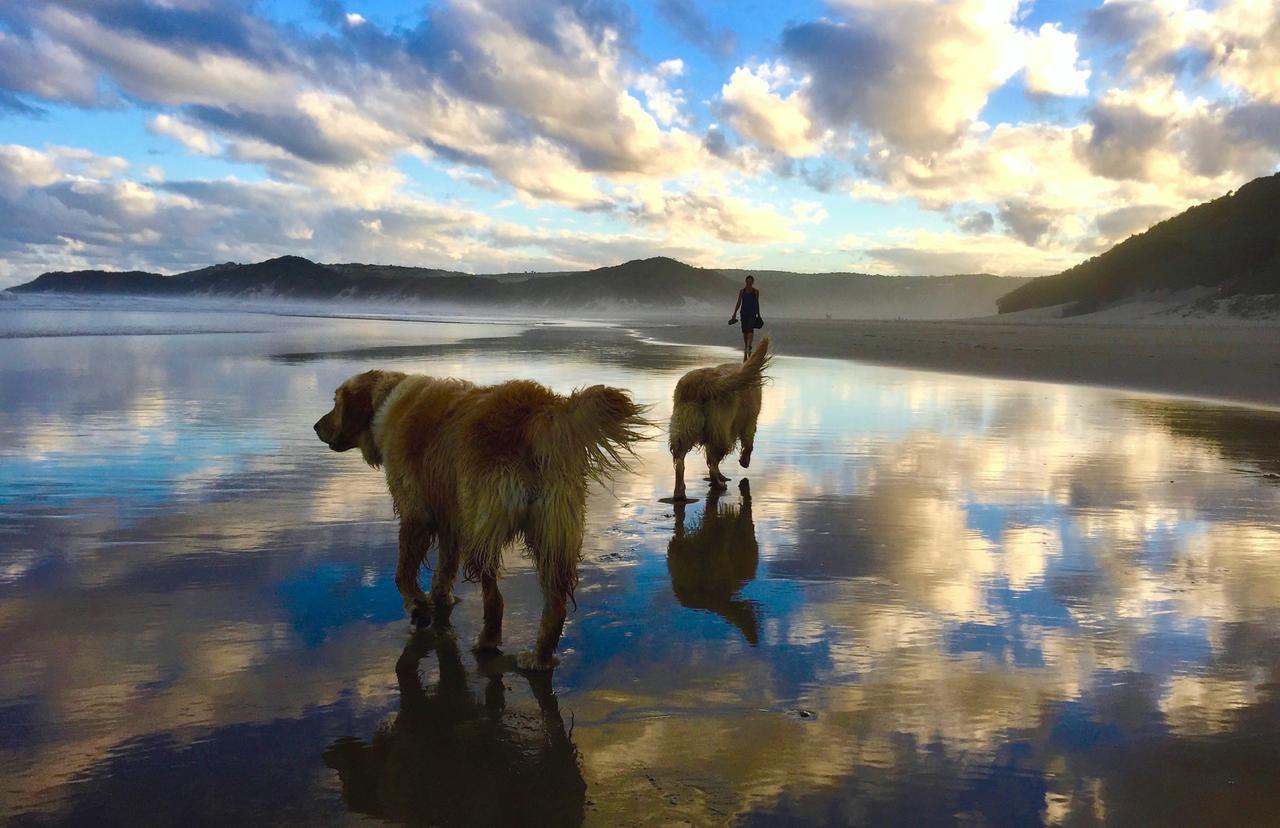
938, 599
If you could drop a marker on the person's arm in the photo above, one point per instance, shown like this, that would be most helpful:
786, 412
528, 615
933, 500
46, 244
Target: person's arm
737, 305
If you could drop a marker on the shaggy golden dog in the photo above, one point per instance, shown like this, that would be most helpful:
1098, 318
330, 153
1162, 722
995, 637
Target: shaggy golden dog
716, 408
475, 468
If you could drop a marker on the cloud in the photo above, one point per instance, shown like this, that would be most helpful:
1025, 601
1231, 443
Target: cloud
36, 65
924, 252
1026, 221
917, 73
479, 83
1123, 222
1053, 64
1148, 146
726, 217
71, 209
759, 112
977, 223
1236, 42
1255, 123
689, 22
1123, 138
666, 104
556, 104
194, 139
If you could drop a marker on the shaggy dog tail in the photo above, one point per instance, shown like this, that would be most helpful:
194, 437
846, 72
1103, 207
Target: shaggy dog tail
594, 432
591, 434
750, 374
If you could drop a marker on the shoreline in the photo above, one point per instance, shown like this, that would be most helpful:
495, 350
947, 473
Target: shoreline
1236, 364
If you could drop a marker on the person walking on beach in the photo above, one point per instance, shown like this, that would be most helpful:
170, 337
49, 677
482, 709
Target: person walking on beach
749, 303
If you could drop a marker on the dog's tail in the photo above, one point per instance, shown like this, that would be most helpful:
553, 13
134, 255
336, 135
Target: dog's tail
750, 374
594, 431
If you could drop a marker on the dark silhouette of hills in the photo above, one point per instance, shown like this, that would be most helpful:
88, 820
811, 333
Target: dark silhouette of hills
126, 283
1231, 243
646, 285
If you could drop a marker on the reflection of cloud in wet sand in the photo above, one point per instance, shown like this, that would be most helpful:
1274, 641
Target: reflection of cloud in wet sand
712, 561
1046, 591
449, 759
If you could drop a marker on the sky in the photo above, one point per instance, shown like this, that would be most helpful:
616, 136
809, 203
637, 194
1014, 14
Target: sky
885, 136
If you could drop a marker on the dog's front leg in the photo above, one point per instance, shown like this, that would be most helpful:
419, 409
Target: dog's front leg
678, 493
543, 656
415, 540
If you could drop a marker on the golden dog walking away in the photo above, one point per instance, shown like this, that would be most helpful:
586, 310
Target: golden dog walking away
716, 408
476, 467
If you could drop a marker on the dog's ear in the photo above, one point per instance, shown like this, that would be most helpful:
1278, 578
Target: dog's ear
357, 406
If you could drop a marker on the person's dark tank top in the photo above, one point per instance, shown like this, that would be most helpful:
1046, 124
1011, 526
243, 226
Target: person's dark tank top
750, 303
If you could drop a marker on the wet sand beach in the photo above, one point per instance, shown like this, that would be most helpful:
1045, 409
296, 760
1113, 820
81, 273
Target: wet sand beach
931, 599
1237, 362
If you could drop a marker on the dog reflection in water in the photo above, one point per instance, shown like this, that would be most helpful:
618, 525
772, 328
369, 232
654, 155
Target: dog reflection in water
455, 757
711, 562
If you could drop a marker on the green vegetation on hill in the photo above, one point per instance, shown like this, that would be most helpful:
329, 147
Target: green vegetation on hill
1231, 243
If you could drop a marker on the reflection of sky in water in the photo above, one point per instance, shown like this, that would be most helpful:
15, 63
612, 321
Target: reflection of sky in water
988, 600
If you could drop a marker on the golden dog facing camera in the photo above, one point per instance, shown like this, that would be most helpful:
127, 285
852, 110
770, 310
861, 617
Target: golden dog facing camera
476, 468
717, 408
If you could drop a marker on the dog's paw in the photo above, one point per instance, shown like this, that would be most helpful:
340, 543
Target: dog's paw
530, 663
720, 485
488, 644
444, 603
744, 459
420, 616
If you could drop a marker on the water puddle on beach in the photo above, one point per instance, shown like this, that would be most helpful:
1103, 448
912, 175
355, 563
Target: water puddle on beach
932, 599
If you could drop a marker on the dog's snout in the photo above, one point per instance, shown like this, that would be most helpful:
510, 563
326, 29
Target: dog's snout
322, 429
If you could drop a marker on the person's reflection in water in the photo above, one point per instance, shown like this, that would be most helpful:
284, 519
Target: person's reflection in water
449, 758
712, 561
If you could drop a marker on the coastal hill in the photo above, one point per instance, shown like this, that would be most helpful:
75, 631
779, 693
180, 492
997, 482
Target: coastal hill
1221, 255
646, 286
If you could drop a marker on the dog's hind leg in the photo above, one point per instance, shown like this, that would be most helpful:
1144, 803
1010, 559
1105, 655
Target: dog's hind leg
746, 426
442, 597
491, 636
554, 537
686, 423
415, 540
678, 490
714, 456
543, 657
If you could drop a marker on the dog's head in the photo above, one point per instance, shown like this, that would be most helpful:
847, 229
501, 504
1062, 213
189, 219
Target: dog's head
349, 423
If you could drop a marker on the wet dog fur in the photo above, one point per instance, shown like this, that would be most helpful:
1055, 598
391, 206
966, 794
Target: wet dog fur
476, 468
717, 408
